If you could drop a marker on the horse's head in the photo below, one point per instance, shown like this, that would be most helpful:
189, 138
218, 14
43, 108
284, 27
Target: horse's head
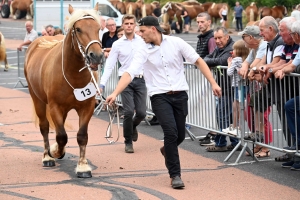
84, 28
285, 11
166, 7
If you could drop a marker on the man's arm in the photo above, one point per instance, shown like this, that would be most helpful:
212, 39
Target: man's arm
211, 45
26, 43
219, 60
208, 75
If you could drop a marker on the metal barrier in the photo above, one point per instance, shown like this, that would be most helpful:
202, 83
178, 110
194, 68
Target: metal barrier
213, 114
21, 60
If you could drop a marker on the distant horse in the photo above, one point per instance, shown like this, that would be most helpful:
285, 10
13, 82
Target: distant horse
57, 70
251, 12
3, 56
119, 5
22, 6
214, 10
275, 11
207, 5
190, 3
135, 8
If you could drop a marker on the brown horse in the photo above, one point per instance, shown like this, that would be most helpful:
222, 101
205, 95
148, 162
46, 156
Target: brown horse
3, 56
275, 11
214, 10
22, 5
207, 5
135, 8
119, 5
57, 70
251, 12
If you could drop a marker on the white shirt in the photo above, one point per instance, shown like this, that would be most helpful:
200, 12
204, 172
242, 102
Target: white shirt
31, 36
101, 32
277, 52
163, 65
296, 60
122, 50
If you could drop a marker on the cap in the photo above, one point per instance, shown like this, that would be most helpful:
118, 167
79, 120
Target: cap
251, 30
150, 21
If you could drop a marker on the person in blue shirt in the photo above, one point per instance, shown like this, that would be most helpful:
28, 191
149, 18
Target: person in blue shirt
238, 14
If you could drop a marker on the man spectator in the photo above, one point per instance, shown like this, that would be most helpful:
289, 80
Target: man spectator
31, 35
206, 43
238, 14
50, 30
292, 106
219, 57
157, 12
103, 28
110, 36
167, 86
134, 96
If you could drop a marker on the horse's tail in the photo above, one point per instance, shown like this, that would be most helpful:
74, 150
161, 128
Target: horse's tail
130, 9
67, 125
144, 14
251, 15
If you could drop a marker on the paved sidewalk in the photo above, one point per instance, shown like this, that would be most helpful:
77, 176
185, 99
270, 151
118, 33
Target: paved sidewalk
116, 175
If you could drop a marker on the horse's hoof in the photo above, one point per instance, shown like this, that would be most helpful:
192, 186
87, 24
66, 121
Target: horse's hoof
62, 156
50, 163
84, 174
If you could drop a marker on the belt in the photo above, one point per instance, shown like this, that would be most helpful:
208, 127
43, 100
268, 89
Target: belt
173, 92
139, 76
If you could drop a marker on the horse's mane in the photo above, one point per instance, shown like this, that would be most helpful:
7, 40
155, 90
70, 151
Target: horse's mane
192, 1
46, 44
77, 14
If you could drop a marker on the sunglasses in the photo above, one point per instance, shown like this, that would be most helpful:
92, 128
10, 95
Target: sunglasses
243, 36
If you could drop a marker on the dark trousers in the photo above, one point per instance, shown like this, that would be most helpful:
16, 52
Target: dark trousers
171, 111
281, 113
239, 23
133, 99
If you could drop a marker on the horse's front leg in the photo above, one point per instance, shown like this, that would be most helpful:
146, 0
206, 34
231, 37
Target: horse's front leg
29, 13
6, 63
57, 150
83, 170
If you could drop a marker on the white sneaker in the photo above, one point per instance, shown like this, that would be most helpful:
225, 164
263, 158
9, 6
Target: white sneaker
226, 130
235, 131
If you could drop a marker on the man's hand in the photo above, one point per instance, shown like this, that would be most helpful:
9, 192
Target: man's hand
243, 71
279, 74
217, 90
266, 77
263, 69
106, 54
251, 75
110, 100
20, 48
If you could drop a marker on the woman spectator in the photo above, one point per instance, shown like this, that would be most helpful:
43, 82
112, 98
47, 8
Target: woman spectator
223, 14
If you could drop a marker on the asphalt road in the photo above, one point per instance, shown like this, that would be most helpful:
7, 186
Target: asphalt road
267, 168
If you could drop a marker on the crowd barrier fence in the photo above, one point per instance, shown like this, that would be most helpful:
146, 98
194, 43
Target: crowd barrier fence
21, 60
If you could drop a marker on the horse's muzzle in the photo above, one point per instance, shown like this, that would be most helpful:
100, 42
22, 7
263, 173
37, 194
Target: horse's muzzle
95, 60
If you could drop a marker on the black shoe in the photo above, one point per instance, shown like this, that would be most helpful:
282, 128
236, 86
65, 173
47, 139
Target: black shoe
129, 148
153, 121
177, 182
135, 135
252, 136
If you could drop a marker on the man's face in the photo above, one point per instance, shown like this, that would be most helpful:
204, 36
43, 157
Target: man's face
146, 33
221, 39
128, 26
296, 37
28, 27
50, 31
111, 26
285, 34
265, 32
203, 24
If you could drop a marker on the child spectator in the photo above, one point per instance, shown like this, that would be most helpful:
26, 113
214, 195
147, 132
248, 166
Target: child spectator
239, 54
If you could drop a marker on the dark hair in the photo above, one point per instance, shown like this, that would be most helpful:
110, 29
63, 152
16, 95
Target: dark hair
58, 31
120, 29
223, 29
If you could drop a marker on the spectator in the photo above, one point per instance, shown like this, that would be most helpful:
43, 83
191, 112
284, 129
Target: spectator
120, 32
253, 40
176, 26
166, 84
238, 14
44, 32
239, 54
137, 30
134, 96
58, 31
50, 30
206, 45
185, 16
103, 28
219, 57
31, 35
157, 12
223, 14
109, 37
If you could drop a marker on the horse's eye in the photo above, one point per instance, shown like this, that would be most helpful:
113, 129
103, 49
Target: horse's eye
78, 30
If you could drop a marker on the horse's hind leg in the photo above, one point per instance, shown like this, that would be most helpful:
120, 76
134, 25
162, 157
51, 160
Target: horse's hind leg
83, 170
40, 109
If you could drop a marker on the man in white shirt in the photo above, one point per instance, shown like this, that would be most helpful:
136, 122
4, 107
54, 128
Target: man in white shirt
162, 60
31, 35
134, 96
103, 28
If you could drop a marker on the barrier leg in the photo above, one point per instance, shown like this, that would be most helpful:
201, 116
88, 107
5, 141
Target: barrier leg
192, 136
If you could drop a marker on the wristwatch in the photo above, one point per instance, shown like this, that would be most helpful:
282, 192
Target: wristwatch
271, 70
104, 49
254, 68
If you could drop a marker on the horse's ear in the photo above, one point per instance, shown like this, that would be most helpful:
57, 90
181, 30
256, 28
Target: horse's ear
71, 9
96, 7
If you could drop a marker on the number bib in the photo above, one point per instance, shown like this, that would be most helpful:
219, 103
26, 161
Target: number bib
87, 92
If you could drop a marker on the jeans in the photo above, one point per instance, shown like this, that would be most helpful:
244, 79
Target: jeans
133, 99
292, 108
171, 111
239, 23
224, 119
